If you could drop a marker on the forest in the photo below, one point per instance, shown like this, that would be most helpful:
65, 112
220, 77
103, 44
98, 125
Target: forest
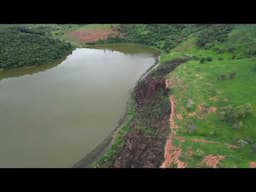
24, 47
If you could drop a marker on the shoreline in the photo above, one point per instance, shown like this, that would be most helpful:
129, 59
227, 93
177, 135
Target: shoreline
106, 144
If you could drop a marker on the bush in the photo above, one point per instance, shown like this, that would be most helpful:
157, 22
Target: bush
235, 115
222, 77
232, 75
212, 34
209, 59
202, 60
254, 67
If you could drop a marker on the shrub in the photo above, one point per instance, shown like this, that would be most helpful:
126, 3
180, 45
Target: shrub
209, 59
232, 75
202, 60
222, 77
235, 115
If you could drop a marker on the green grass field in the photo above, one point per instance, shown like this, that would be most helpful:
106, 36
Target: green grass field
208, 84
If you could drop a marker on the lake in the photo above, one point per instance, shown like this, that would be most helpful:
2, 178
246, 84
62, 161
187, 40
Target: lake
54, 117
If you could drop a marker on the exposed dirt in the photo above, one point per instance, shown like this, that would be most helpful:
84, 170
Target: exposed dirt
140, 150
91, 35
212, 109
214, 98
171, 152
179, 116
192, 114
213, 160
252, 164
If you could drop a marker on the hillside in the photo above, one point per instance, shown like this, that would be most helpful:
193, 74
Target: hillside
196, 109
211, 97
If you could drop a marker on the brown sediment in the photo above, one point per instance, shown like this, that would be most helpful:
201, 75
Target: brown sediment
213, 160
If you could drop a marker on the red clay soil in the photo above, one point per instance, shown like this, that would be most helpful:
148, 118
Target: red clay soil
213, 160
172, 153
91, 35
252, 164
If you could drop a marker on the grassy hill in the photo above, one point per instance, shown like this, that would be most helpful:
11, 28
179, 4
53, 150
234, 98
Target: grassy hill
213, 92
215, 99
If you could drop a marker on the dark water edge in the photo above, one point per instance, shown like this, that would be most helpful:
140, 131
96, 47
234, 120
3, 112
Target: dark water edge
128, 48
29, 70
106, 144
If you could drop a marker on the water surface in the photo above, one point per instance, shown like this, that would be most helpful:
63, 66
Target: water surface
53, 118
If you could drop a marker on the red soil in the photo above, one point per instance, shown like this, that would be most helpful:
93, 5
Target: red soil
172, 153
252, 164
91, 35
213, 160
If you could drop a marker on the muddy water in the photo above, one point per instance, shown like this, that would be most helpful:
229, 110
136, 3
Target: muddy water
53, 118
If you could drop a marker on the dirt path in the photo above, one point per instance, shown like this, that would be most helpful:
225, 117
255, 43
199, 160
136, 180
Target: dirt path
205, 141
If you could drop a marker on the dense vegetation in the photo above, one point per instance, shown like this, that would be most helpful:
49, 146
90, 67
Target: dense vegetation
21, 46
162, 36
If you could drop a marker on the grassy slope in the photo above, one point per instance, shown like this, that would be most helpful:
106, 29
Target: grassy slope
198, 81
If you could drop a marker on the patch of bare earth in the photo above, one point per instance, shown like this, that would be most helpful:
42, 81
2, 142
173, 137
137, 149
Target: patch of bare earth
171, 152
252, 164
212, 109
214, 98
91, 35
179, 116
213, 160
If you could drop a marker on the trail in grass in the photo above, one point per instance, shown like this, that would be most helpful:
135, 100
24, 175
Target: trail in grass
172, 153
